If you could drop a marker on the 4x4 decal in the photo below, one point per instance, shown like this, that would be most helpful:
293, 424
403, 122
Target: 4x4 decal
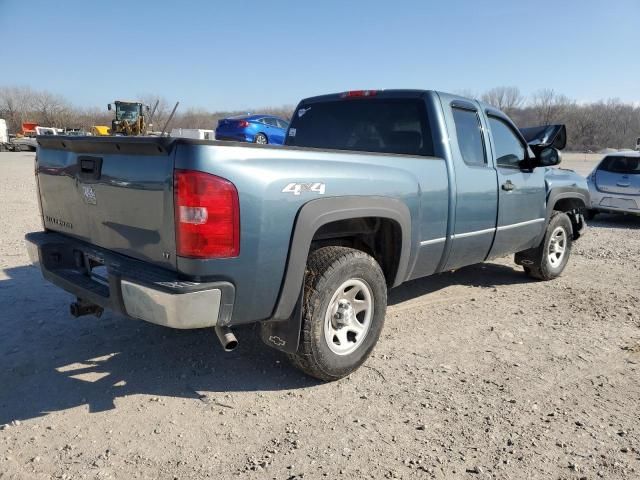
298, 188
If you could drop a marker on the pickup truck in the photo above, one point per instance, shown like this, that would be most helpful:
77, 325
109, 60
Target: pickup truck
372, 189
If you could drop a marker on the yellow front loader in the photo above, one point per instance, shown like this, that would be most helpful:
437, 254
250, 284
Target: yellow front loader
130, 118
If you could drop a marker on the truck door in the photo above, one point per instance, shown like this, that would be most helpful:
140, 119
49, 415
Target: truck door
476, 195
522, 193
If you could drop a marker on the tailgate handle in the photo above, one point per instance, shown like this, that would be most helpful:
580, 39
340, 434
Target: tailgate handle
89, 168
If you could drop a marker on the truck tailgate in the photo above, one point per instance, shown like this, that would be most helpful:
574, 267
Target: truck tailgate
115, 193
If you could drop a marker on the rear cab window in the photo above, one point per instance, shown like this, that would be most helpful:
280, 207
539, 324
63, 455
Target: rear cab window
386, 125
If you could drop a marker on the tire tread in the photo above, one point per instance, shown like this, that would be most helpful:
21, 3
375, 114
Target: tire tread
321, 264
538, 268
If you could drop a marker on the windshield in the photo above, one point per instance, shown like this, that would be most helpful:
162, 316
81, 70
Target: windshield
370, 125
127, 111
618, 164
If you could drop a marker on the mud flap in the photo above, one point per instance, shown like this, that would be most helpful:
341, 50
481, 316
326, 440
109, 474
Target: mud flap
284, 335
578, 223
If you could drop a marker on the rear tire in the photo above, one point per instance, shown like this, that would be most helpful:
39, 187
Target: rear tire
345, 301
548, 260
261, 139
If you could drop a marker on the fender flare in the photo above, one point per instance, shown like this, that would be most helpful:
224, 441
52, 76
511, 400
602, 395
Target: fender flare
560, 193
317, 213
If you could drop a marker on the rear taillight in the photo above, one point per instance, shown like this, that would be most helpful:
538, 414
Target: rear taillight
207, 215
360, 93
243, 124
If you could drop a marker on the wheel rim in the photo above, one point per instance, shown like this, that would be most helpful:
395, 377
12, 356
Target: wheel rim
557, 246
348, 316
261, 139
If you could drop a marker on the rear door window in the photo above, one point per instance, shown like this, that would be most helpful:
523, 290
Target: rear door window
621, 164
370, 125
470, 138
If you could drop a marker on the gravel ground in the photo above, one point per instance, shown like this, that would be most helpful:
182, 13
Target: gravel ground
480, 373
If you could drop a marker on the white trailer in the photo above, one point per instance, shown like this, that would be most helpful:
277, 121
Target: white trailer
48, 131
197, 133
4, 133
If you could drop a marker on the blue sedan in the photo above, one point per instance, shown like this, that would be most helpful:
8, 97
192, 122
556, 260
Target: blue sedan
260, 129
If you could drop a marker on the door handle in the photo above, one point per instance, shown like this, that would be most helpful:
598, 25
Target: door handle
508, 186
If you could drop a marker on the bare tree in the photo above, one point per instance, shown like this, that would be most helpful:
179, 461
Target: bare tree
507, 99
161, 115
52, 110
550, 107
16, 104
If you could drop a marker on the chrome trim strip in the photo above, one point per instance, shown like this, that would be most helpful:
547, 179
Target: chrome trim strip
472, 234
482, 232
521, 224
432, 241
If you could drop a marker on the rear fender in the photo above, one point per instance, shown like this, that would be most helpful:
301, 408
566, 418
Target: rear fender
282, 330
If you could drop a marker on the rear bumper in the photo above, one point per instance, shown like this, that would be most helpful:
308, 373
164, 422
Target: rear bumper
128, 286
234, 136
614, 202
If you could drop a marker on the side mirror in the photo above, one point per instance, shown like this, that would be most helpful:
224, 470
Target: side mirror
548, 157
109, 107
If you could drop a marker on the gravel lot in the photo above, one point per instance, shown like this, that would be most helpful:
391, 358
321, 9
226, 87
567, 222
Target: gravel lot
480, 373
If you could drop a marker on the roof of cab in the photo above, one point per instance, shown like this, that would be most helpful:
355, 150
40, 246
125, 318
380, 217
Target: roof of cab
392, 93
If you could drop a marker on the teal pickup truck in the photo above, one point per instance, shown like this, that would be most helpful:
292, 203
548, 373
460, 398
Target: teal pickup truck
372, 188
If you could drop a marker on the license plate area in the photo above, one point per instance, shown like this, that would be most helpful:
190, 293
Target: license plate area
92, 268
96, 269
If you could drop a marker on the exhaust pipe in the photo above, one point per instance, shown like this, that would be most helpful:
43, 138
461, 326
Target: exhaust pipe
227, 339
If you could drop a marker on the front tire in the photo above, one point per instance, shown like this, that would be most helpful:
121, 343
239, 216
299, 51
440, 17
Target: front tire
261, 139
548, 260
345, 301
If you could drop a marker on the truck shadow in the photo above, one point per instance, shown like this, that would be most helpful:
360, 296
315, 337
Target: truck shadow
482, 275
624, 222
51, 362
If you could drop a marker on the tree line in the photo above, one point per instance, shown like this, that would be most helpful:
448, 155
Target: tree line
591, 126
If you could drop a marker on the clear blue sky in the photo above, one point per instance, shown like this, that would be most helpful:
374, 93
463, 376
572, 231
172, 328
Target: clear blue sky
238, 53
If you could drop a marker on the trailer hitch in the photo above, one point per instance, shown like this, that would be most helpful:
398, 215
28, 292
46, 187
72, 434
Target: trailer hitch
81, 307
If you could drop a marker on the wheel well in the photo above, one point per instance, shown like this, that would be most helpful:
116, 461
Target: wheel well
574, 208
377, 236
568, 204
